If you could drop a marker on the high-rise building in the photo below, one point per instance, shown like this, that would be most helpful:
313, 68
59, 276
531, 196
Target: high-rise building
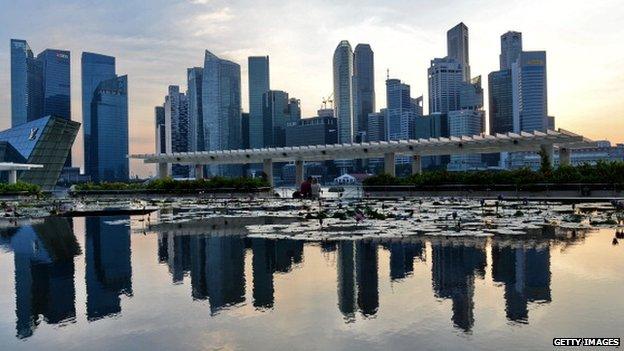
312, 131
294, 109
343, 92
400, 116
177, 128
500, 102
471, 94
23, 86
259, 83
161, 135
377, 126
445, 78
95, 68
467, 122
457, 48
108, 159
195, 112
511, 47
221, 103
245, 130
530, 92
417, 106
275, 107
363, 87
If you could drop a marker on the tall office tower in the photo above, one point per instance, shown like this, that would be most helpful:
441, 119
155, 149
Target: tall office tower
500, 102
55, 87
194, 94
417, 106
471, 95
343, 92
363, 87
95, 69
275, 116
108, 159
400, 117
343, 99
259, 83
221, 103
177, 127
457, 48
245, 130
22, 84
445, 78
294, 110
377, 126
530, 93
511, 47
161, 130
461, 123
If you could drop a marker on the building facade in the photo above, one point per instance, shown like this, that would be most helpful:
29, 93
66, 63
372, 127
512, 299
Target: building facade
108, 159
259, 83
445, 78
343, 91
530, 92
511, 47
457, 48
46, 141
500, 101
196, 117
466, 122
221, 99
161, 134
276, 114
177, 128
312, 131
363, 88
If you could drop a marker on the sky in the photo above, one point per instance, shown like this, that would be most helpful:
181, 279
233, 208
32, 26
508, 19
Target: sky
154, 42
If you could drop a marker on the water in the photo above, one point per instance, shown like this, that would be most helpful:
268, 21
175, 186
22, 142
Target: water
102, 284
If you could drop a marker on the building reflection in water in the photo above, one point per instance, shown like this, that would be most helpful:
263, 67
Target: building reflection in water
525, 273
44, 273
215, 263
453, 273
108, 272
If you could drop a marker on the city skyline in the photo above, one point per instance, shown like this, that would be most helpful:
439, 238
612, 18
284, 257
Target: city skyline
304, 67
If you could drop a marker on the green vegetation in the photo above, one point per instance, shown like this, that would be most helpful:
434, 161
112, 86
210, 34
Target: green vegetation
19, 187
602, 172
171, 185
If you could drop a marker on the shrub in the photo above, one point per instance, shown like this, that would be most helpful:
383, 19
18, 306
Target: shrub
19, 187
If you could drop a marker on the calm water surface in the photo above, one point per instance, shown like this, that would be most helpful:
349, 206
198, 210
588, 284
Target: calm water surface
101, 284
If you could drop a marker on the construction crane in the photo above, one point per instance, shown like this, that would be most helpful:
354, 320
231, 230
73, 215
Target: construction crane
330, 100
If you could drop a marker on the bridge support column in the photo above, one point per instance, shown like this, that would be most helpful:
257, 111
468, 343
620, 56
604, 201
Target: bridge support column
564, 156
163, 170
267, 168
548, 150
12, 176
298, 172
389, 164
416, 164
199, 171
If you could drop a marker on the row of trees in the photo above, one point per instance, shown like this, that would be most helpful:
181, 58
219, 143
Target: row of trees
169, 184
602, 172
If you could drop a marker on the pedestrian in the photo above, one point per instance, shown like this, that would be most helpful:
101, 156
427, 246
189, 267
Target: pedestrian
306, 188
315, 189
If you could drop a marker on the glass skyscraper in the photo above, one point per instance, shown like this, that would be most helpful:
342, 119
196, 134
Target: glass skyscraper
21, 86
109, 131
161, 136
343, 91
95, 68
400, 115
221, 99
500, 101
363, 88
529, 89
259, 83
457, 48
445, 79
511, 47
196, 116
177, 128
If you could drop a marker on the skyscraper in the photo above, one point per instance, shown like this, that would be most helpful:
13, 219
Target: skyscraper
343, 92
196, 116
445, 78
221, 99
95, 68
108, 150
275, 117
161, 136
457, 48
500, 102
259, 83
511, 47
400, 116
467, 122
22, 62
363, 87
176, 127
530, 93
